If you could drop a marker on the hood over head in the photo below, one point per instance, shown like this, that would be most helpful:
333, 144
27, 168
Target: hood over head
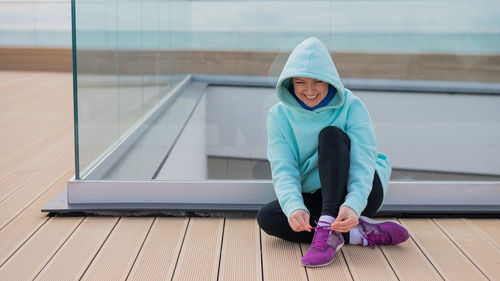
310, 59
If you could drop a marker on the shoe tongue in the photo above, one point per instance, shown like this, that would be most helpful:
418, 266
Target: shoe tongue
320, 238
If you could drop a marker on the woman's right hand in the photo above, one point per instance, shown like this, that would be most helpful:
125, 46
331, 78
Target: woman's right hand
299, 221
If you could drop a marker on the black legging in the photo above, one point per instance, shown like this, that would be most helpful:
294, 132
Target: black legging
333, 163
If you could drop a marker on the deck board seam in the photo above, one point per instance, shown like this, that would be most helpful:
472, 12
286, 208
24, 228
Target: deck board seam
47, 261
18, 187
40, 123
140, 249
463, 251
302, 253
220, 237
34, 199
100, 248
483, 233
34, 144
424, 253
347, 264
37, 173
221, 246
180, 249
25, 241
388, 262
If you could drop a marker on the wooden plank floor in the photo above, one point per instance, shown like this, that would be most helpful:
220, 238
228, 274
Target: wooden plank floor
36, 159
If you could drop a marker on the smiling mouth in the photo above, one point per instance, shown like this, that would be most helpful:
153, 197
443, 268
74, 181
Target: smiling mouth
311, 97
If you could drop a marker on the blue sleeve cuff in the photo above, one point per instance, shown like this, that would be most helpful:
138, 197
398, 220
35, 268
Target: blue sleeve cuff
291, 207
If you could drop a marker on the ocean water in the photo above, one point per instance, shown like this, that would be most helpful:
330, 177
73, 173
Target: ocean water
362, 42
457, 43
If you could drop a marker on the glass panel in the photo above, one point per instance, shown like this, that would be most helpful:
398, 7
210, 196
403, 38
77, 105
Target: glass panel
17, 24
151, 54
120, 72
417, 40
445, 27
98, 100
253, 37
35, 23
51, 30
428, 136
132, 53
164, 42
179, 22
130, 63
225, 137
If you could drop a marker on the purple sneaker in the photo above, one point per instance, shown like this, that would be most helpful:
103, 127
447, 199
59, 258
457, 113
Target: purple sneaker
323, 247
381, 232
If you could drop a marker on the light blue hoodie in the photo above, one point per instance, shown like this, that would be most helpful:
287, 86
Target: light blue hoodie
293, 134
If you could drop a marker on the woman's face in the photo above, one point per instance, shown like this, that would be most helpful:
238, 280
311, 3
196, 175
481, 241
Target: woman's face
309, 90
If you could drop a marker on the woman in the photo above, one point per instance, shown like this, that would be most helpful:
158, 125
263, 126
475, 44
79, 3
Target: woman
324, 161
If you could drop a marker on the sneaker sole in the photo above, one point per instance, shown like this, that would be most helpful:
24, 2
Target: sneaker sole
319, 265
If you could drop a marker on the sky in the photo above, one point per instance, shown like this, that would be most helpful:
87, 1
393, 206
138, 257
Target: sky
348, 16
450, 16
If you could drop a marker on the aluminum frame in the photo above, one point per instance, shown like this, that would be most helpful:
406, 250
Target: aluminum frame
250, 195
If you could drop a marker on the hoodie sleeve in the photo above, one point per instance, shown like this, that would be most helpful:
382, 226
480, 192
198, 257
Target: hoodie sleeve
363, 154
284, 168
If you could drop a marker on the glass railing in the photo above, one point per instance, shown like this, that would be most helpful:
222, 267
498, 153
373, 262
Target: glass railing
125, 67
428, 71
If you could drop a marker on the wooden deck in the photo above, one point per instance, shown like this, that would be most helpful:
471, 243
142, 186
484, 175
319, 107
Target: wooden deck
375, 65
36, 159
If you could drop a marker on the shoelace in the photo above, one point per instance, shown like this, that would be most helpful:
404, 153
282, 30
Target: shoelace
374, 238
320, 237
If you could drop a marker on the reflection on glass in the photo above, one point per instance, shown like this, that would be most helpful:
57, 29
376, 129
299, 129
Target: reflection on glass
35, 24
129, 53
428, 136
125, 66
132, 53
98, 111
150, 41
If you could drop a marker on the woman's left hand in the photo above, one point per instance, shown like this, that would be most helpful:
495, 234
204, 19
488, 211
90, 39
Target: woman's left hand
346, 220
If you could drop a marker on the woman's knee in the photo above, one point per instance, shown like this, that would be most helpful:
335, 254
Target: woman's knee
332, 134
261, 217
274, 222
266, 216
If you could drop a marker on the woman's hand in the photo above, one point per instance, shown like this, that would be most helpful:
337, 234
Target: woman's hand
299, 221
346, 220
